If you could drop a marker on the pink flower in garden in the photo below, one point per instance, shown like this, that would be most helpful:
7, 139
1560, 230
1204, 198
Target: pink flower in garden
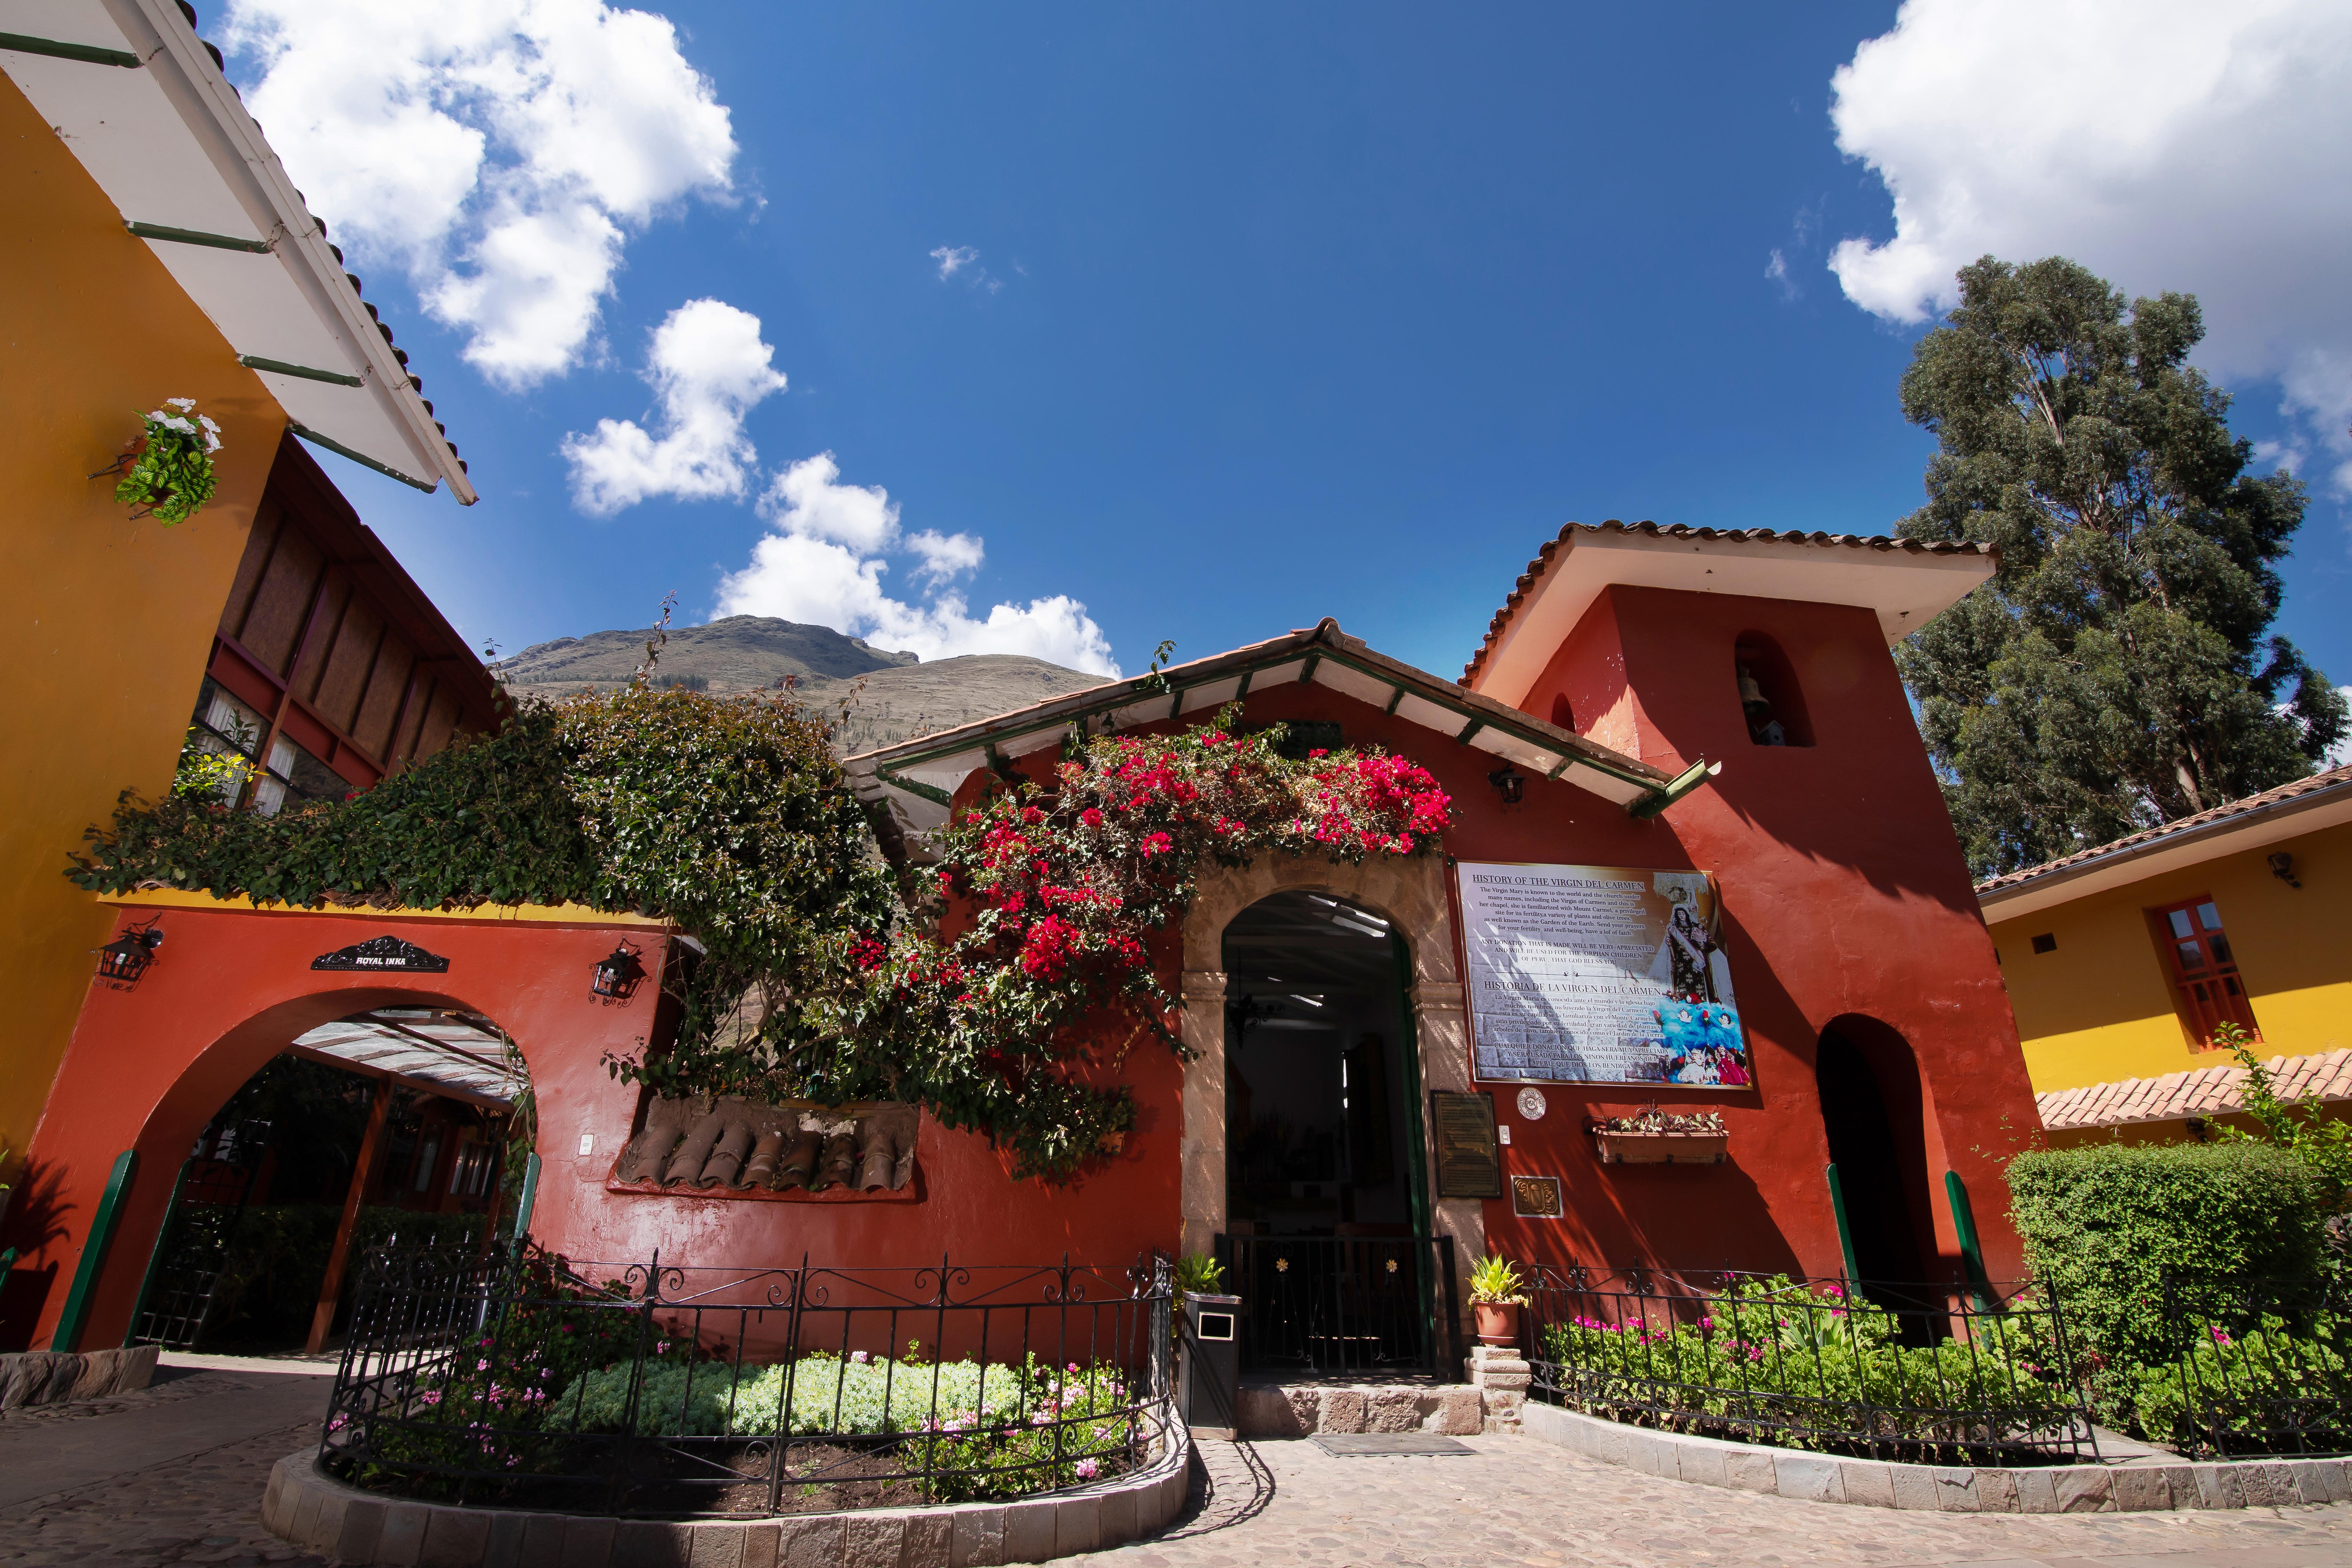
1089, 1469
1158, 844
860, 1357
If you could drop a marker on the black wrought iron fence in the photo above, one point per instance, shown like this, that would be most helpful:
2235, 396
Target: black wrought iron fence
2259, 1367
1919, 1373
1322, 1304
677, 1391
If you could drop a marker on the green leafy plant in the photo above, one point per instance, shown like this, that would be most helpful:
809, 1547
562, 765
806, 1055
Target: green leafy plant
2301, 1127
1198, 1273
1772, 1360
1496, 1281
1653, 1119
171, 475
206, 773
729, 817
2274, 1385
2107, 1226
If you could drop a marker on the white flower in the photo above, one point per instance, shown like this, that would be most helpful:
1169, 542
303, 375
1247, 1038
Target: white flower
206, 421
182, 403
173, 422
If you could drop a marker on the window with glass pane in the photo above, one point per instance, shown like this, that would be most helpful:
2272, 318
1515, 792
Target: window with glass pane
2204, 969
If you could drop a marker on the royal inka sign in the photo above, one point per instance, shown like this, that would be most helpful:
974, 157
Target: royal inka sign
383, 954
1468, 1164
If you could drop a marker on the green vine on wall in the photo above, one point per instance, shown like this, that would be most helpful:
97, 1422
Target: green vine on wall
815, 971
171, 475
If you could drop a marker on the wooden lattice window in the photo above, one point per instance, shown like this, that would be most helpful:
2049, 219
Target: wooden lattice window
2204, 969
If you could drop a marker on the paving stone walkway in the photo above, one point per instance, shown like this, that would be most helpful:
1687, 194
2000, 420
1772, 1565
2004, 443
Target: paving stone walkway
1514, 1501
179, 1499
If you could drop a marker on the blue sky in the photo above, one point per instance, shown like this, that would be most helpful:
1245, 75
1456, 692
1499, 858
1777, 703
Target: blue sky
1270, 312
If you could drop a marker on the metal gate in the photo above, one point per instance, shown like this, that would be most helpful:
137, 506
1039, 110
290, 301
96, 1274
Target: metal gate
193, 1248
1345, 1303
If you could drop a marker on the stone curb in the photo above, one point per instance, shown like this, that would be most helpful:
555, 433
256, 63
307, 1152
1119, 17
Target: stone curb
312, 1509
2053, 1488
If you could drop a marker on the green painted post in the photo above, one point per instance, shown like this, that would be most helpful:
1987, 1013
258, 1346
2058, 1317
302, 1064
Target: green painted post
523, 1205
93, 1252
1964, 1225
1845, 1231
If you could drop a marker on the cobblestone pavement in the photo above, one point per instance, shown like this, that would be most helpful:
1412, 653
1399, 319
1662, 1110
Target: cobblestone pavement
1512, 1500
203, 1508
1516, 1501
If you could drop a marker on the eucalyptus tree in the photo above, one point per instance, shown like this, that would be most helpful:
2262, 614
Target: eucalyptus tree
2116, 672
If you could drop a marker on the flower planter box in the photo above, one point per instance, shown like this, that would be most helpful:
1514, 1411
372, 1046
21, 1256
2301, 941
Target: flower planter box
1662, 1148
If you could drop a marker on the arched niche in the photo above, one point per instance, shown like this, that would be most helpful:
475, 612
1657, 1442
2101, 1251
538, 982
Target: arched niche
1771, 700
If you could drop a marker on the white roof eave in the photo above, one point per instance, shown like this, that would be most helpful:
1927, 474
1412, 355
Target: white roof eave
168, 142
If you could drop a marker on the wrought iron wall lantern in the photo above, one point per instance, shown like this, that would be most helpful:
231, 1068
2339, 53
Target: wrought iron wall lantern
1507, 780
126, 957
615, 978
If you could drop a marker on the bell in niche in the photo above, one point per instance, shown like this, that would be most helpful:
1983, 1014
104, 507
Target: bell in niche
1762, 728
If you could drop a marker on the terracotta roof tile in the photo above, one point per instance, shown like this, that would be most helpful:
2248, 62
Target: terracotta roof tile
1542, 563
2333, 778
2200, 1091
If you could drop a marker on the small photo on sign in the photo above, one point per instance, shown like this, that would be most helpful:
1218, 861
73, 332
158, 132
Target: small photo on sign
1600, 975
1536, 1197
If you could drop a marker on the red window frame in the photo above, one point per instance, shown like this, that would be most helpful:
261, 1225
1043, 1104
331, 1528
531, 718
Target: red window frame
2204, 969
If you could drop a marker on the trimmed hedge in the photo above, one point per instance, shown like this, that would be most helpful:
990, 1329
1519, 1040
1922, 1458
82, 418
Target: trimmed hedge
2102, 1225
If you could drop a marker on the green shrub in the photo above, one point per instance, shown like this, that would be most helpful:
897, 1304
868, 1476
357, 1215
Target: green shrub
1775, 1362
2257, 1391
2104, 1225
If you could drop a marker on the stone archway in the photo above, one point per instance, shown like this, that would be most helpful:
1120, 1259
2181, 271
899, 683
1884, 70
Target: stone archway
1410, 895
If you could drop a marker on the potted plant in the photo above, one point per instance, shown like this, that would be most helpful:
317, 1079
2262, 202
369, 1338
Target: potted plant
171, 475
1496, 1294
1654, 1137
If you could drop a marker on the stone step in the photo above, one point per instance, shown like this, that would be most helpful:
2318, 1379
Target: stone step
1298, 1409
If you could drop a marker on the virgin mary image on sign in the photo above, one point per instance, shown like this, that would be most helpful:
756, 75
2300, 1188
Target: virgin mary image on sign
1698, 1025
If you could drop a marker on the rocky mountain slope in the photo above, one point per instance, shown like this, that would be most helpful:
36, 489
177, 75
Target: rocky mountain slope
878, 697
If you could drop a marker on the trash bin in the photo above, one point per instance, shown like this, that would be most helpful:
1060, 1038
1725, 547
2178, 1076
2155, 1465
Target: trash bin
1212, 1363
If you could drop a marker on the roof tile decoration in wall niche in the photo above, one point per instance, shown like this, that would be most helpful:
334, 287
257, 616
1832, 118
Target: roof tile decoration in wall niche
795, 1151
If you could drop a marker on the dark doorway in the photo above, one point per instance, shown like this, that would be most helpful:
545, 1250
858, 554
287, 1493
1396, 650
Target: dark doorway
1869, 1109
1326, 1222
390, 1124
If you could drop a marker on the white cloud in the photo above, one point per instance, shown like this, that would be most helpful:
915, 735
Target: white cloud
808, 499
500, 152
1777, 271
946, 556
2164, 143
824, 564
709, 369
953, 258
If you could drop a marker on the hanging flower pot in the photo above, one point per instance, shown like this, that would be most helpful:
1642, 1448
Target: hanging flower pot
171, 475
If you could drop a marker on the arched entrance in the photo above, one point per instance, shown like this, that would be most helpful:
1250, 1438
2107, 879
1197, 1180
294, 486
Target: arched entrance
1871, 1113
1408, 900
152, 1062
396, 1122
1326, 1195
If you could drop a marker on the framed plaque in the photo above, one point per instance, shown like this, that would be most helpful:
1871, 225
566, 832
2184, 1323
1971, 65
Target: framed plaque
1469, 1161
1536, 1197
1599, 975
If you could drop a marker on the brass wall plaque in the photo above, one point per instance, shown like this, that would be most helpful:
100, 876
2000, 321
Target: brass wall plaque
1468, 1164
1536, 1197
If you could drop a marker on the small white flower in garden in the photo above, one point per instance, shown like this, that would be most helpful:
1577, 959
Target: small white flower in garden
860, 1357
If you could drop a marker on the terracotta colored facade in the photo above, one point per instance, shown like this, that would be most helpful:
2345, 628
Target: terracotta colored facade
1851, 932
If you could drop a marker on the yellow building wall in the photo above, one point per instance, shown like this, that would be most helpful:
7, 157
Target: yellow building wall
109, 620
2101, 1007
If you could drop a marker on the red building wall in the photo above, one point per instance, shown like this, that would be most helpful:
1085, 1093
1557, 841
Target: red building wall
1845, 897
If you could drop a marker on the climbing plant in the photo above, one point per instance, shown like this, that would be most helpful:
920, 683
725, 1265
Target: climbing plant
813, 970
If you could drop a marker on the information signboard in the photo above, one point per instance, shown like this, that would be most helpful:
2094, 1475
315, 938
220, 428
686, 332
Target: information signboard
1599, 975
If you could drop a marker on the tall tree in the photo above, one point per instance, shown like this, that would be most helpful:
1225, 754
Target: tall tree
2115, 673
